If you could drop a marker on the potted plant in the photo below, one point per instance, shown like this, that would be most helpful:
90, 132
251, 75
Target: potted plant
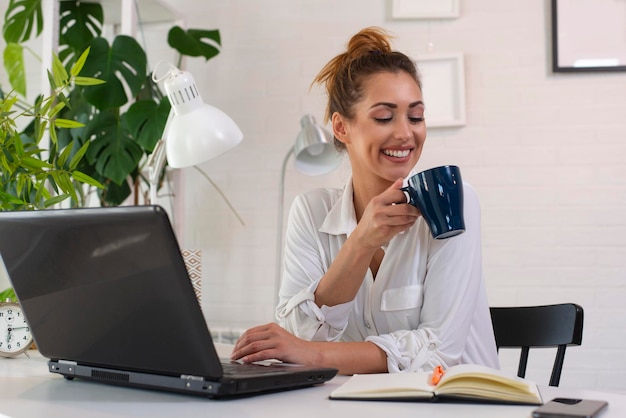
34, 176
124, 117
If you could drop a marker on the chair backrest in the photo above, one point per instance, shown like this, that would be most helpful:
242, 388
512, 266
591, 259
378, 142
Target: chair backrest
528, 327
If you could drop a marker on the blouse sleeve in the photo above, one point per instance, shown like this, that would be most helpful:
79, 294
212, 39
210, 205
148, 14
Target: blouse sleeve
454, 297
305, 262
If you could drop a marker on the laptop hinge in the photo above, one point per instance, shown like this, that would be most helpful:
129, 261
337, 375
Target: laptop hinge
198, 384
65, 367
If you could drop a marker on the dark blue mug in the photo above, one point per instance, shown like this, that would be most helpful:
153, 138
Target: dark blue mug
438, 194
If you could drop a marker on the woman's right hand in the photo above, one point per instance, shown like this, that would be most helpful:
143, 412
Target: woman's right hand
385, 216
271, 341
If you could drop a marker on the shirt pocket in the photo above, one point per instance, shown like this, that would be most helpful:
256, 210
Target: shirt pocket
402, 298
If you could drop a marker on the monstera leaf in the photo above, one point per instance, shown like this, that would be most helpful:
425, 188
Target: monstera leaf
146, 121
22, 18
79, 23
113, 152
122, 64
192, 42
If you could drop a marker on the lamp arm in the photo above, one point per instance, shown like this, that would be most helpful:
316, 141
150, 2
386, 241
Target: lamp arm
155, 165
279, 225
156, 161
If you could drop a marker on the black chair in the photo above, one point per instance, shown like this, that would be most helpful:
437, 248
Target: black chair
528, 327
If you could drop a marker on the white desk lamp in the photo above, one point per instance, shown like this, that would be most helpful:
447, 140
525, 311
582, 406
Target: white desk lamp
195, 131
315, 155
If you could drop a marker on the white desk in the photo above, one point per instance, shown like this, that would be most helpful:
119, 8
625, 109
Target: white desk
27, 389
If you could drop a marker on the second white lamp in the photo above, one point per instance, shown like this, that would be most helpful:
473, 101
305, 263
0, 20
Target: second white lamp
315, 155
195, 131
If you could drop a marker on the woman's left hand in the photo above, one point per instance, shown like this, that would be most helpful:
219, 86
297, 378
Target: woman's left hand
271, 341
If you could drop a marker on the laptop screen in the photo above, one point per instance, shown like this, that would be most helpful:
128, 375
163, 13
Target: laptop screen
107, 287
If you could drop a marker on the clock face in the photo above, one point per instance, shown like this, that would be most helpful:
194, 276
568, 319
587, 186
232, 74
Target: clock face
15, 336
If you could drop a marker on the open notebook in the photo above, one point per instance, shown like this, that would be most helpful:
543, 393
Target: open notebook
108, 298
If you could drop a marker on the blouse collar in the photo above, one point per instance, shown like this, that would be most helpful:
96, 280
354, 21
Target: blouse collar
341, 218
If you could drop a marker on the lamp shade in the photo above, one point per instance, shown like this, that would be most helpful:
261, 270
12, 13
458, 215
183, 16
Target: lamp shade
314, 149
196, 132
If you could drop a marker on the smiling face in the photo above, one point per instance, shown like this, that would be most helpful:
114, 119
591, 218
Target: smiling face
385, 137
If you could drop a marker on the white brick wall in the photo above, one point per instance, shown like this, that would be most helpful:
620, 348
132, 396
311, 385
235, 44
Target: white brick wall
544, 151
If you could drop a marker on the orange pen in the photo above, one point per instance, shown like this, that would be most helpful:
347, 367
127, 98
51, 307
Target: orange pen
437, 375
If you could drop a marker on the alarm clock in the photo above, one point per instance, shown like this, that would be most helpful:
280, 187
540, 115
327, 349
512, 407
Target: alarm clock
15, 336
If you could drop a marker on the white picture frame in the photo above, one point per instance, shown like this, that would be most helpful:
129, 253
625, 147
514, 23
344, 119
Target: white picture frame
424, 9
443, 88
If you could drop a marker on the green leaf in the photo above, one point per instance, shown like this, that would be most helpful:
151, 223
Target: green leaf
65, 184
42, 125
193, 42
9, 198
8, 294
55, 200
53, 134
65, 154
146, 121
35, 163
54, 178
56, 109
19, 145
88, 81
6, 104
113, 151
53, 82
58, 71
124, 64
80, 23
42, 192
22, 18
14, 65
80, 62
63, 99
42, 107
78, 155
115, 194
84, 178
66, 123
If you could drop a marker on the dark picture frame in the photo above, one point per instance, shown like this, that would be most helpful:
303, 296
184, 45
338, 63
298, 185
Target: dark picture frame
583, 36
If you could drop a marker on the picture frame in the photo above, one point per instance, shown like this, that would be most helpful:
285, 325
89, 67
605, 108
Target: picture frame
584, 44
443, 88
424, 9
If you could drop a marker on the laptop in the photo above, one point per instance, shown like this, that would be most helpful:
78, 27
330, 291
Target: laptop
108, 299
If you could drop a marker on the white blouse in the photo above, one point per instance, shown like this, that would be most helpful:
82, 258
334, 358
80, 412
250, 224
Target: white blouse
428, 305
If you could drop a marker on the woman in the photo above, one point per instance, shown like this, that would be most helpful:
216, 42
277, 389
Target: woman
365, 287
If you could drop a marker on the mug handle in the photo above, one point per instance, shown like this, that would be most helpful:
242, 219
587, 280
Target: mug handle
406, 192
